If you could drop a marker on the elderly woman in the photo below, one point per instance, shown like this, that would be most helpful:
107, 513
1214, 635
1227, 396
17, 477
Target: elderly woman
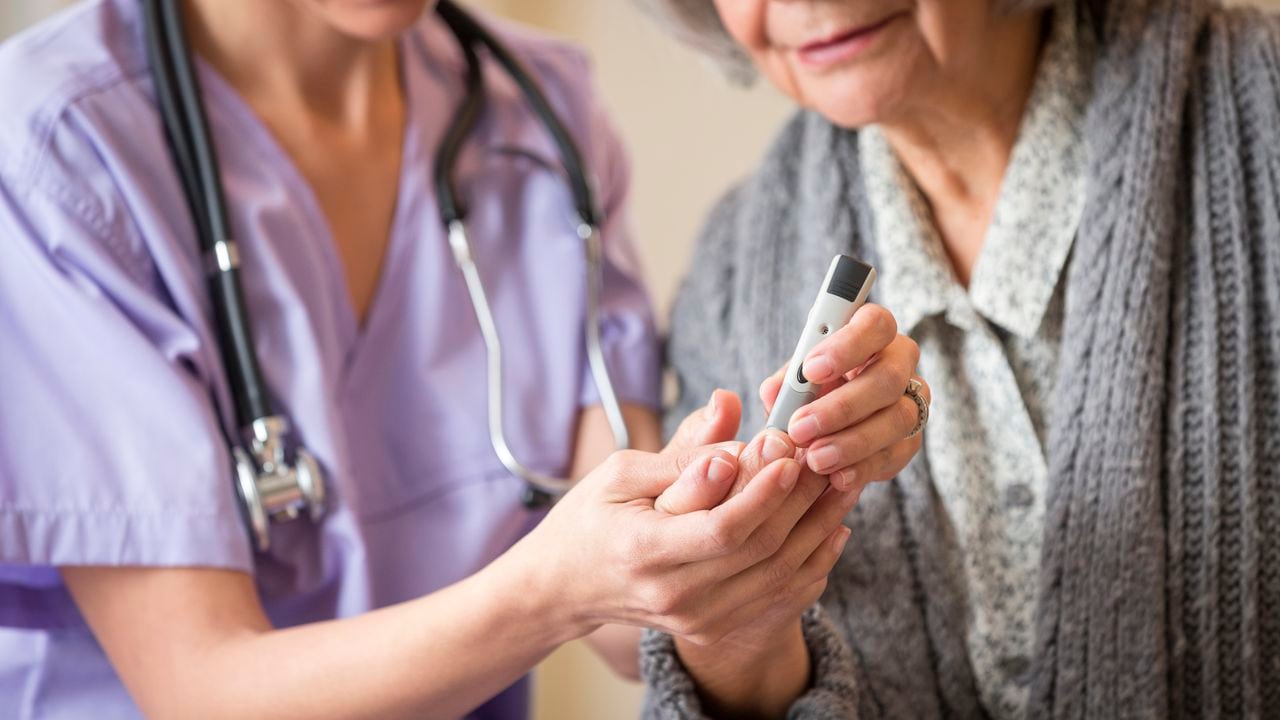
1075, 210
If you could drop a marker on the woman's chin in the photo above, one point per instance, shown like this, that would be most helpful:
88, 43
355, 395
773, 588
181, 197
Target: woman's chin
375, 21
851, 107
861, 93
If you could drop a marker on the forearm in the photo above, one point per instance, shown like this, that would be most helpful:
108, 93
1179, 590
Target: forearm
743, 680
437, 656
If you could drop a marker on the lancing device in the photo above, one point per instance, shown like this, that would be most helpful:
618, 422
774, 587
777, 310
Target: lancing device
843, 291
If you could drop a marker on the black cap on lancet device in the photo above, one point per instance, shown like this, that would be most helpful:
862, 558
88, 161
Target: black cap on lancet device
848, 279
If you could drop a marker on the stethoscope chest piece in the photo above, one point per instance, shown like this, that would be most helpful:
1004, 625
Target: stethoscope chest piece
271, 485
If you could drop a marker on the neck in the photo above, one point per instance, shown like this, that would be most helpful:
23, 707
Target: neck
280, 56
956, 140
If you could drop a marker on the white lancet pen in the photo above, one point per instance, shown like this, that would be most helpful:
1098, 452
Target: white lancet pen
843, 291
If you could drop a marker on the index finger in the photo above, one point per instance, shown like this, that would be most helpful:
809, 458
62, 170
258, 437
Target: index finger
707, 534
870, 330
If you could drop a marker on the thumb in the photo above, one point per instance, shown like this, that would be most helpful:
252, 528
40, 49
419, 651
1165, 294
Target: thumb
763, 450
702, 489
634, 475
770, 388
716, 422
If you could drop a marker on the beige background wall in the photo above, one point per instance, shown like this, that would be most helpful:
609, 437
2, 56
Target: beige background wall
690, 135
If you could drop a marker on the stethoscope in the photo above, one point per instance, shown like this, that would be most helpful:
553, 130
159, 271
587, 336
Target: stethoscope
276, 478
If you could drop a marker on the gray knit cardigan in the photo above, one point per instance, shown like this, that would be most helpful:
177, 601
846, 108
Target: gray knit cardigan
1160, 588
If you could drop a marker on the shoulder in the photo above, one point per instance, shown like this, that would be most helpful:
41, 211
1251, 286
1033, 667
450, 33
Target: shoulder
62, 78
1236, 81
731, 231
562, 69
1243, 41
556, 60
799, 205
564, 75
1247, 23
774, 184
75, 96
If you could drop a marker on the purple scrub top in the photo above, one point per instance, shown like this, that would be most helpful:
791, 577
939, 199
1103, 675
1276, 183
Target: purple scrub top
111, 387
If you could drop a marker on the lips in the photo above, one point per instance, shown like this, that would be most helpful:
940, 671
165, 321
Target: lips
842, 46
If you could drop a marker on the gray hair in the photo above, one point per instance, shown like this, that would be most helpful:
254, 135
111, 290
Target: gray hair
697, 23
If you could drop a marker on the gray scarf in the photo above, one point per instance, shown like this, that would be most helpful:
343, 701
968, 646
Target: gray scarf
1160, 589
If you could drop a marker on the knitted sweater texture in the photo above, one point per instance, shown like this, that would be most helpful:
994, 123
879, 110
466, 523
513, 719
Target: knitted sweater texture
1159, 593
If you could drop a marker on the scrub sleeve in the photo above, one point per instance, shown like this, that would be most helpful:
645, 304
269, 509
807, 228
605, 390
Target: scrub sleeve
628, 336
110, 450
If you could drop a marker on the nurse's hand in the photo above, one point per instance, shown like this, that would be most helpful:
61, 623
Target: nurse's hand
613, 556
857, 431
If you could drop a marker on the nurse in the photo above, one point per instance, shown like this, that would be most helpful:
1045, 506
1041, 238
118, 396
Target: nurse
127, 580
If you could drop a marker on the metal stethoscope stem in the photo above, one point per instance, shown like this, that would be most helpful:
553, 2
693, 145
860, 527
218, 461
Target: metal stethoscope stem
549, 485
472, 35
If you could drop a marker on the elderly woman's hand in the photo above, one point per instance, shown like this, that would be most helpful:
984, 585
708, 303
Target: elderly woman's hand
761, 664
860, 429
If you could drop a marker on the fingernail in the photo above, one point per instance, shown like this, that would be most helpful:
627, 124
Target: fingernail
842, 538
775, 448
790, 474
719, 470
824, 458
818, 369
804, 429
844, 479
711, 404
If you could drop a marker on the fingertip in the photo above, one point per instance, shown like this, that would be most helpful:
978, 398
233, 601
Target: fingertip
730, 404
776, 445
804, 428
818, 369
715, 422
720, 469
844, 480
768, 390
790, 473
840, 539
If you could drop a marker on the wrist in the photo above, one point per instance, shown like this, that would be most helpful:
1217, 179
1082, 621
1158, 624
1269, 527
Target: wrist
535, 591
752, 675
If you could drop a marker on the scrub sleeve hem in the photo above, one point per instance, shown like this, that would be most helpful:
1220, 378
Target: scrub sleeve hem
35, 542
633, 367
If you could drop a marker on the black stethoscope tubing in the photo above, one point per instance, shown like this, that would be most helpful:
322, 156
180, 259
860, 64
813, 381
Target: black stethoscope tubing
194, 153
469, 34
